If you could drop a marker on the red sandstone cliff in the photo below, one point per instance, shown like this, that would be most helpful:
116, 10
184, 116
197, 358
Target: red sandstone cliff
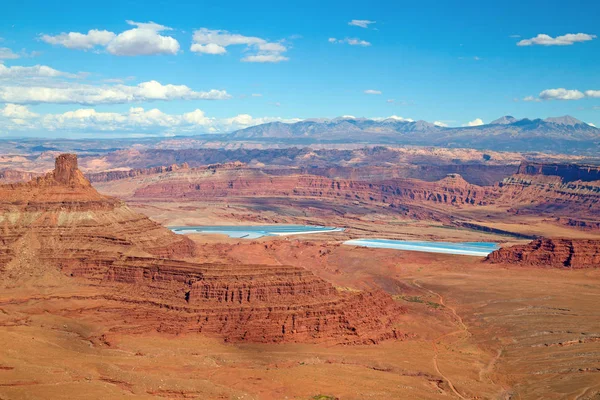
59, 221
567, 172
555, 253
452, 190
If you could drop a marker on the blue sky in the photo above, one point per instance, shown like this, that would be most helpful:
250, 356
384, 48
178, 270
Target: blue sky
446, 61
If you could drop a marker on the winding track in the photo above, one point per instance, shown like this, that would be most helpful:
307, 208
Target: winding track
463, 328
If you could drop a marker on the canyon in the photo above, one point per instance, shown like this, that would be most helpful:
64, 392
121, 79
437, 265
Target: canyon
60, 221
97, 296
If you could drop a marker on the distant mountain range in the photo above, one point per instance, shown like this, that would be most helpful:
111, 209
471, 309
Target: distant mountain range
562, 134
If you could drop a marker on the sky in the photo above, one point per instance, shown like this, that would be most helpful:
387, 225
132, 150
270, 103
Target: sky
163, 68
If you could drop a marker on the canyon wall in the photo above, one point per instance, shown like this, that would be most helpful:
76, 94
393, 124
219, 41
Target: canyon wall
147, 278
554, 253
477, 174
567, 172
452, 190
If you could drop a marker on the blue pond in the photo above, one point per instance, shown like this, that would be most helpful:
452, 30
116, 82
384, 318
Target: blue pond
254, 231
480, 249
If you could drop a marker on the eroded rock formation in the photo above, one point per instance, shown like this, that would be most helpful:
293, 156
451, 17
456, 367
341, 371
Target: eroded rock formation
148, 280
551, 253
567, 172
546, 194
452, 190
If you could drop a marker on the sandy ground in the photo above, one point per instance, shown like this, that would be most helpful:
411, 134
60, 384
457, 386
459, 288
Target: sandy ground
476, 331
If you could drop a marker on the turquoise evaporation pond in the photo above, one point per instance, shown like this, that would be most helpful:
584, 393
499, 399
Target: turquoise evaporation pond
480, 249
254, 231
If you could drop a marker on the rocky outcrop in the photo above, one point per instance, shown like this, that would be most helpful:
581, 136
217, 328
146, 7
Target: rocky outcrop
567, 172
452, 190
14, 176
108, 176
63, 208
149, 281
477, 174
545, 194
551, 253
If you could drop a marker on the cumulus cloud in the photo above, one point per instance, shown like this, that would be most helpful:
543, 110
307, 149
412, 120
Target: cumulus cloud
106, 94
372, 91
475, 122
564, 40
561, 94
209, 41
143, 39
593, 93
398, 118
17, 111
135, 120
440, 123
362, 23
265, 58
80, 41
36, 71
350, 41
8, 54
17, 117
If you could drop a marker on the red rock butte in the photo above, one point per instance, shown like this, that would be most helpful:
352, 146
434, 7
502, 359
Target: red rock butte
551, 253
147, 279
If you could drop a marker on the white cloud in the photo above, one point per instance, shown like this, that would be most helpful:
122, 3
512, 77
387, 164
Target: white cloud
372, 91
7, 54
592, 93
397, 118
135, 120
144, 39
390, 101
256, 95
106, 94
17, 117
80, 41
17, 111
475, 122
440, 123
561, 94
209, 41
350, 41
564, 40
210, 48
590, 124
197, 117
362, 23
36, 71
265, 58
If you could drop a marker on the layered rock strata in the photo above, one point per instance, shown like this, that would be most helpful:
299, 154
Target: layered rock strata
148, 280
452, 190
552, 253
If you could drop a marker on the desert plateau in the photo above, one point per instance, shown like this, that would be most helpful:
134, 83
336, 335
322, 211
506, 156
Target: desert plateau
99, 296
316, 200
